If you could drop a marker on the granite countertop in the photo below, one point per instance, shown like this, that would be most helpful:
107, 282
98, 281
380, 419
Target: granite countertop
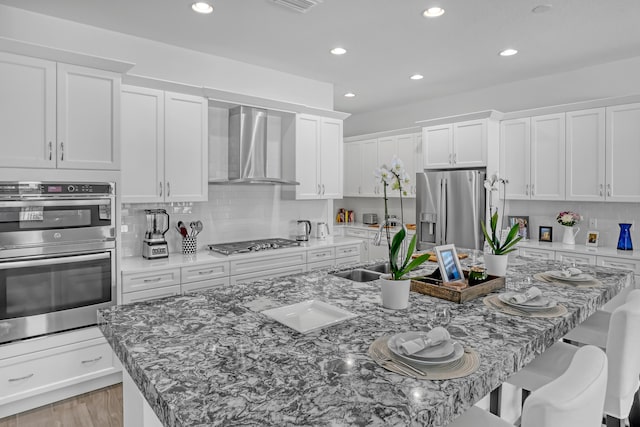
211, 358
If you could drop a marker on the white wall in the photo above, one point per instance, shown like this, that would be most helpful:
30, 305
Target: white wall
162, 61
612, 79
233, 213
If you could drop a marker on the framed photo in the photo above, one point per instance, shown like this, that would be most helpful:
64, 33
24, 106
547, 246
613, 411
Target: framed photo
545, 233
592, 238
449, 263
523, 225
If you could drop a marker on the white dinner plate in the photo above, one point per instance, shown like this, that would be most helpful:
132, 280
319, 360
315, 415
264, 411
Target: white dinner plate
309, 315
437, 352
537, 303
458, 352
554, 274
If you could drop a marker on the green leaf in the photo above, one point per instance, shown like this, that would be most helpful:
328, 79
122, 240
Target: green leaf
412, 265
486, 236
410, 249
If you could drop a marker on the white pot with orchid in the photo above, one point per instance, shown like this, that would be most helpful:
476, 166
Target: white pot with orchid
395, 286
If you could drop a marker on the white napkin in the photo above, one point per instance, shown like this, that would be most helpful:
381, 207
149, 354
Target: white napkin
571, 271
528, 295
434, 337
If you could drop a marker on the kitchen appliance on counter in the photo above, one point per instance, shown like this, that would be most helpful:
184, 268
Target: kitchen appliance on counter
322, 230
303, 230
57, 256
449, 207
369, 218
154, 244
252, 246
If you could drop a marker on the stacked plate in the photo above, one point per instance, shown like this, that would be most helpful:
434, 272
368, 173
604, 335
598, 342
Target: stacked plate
558, 275
535, 304
445, 352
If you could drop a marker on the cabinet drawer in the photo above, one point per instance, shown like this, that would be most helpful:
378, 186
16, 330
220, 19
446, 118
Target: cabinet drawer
150, 294
257, 275
150, 280
572, 257
348, 251
319, 265
624, 263
323, 254
198, 273
537, 253
354, 232
205, 284
347, 260
259, 263
55, 368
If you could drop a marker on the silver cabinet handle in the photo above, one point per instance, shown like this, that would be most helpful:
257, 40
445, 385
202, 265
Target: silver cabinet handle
318, 192
359, 190
532, 192
323, 189
526, 189
205, 272
160, 188
157, 279
608, 189
50, 150
450, 159
26, 377
84, 362
168, 189
62, 151
601, 189
455, 158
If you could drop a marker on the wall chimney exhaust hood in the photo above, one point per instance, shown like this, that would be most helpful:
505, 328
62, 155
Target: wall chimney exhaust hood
247, 149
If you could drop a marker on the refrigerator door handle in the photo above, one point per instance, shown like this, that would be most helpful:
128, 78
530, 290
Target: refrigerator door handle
443, 209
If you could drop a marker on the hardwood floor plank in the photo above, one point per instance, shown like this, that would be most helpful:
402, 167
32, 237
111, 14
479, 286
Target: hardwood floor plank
40, 417
9, 422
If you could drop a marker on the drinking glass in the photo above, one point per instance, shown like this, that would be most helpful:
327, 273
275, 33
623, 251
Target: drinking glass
440, 315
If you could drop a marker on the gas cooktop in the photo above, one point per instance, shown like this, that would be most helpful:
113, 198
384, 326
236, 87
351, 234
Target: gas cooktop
252, 246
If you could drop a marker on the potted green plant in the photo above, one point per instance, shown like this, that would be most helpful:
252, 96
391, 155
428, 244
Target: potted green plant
496, 261
395, 285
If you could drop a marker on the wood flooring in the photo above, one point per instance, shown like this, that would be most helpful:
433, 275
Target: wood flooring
99, 408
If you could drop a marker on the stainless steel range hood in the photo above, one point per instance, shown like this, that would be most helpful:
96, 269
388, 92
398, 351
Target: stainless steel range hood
247, 151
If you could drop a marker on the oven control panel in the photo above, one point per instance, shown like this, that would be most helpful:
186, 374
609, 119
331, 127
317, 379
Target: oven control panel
54, 188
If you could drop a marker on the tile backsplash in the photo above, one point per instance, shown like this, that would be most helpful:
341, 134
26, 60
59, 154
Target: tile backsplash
232, 213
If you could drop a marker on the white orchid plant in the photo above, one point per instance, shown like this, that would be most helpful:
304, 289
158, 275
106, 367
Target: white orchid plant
397, 178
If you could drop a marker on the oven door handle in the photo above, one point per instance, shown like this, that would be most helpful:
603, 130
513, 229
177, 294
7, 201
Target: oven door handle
49, 202
53, 261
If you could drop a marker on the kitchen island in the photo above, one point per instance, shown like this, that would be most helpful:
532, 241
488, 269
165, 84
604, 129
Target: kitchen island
212, 358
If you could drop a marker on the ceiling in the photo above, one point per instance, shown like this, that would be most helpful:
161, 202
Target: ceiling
387, 40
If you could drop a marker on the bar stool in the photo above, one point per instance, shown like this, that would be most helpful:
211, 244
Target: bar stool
623, 351
575, 398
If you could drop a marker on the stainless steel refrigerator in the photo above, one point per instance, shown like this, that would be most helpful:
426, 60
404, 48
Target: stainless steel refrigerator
449, 208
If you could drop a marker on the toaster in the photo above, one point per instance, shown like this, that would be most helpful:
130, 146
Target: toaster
370, 218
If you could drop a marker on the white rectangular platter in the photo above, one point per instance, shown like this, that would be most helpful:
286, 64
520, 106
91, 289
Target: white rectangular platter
309, 315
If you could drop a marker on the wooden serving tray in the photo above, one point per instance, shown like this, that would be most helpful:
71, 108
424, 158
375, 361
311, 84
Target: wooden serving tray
456, 291
434, 258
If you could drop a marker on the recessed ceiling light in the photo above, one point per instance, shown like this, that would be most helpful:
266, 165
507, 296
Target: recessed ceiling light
433, 12
542, 8
202, 7
338, 51
508, 52
349, 95
417, 77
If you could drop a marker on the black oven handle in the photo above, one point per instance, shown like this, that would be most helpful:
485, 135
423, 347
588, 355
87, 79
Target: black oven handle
54, 261
59, 202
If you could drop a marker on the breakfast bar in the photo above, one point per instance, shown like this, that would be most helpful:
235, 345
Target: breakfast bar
212, 358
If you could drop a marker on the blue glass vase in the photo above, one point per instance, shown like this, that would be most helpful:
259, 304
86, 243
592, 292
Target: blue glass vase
624, 241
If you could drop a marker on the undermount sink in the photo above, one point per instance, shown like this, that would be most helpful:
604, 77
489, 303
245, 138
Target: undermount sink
383, 268
358, 275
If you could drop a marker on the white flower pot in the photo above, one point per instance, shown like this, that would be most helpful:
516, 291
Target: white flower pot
569, 236
496, 264
395, 293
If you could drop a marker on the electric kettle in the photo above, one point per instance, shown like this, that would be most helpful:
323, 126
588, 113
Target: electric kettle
303, 230
322, 230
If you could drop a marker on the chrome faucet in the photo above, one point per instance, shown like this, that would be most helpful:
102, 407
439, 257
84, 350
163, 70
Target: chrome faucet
377, 239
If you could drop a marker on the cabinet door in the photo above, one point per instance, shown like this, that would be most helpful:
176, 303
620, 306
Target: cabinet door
368, 184
515, 140
352, 168
408, 152
308, 157
331, 167
142, 145
437, 144
387, 149
88, 121
27, 112
186, 148
585, 172
470, 144
547, 157
622, 153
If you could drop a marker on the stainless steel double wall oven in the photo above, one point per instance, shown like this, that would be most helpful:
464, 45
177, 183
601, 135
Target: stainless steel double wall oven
57, 256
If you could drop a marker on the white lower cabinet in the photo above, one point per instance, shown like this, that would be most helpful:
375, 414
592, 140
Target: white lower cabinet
623, 263
321, 265
205, 284
150, 294
537, 253
267, 274
575, 258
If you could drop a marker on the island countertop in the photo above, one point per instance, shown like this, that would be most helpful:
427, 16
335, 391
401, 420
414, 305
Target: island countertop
212, 358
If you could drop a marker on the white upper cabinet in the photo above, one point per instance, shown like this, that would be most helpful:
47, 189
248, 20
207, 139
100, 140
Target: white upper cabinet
622, 153
352, 169
456, 145
58, 115
585, 160
318, 158
532, 153
164, 146
369, 158
410, 152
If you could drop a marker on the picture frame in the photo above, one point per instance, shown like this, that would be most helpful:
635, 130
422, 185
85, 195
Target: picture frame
449, 263
592, 238
545, 233
523, 225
